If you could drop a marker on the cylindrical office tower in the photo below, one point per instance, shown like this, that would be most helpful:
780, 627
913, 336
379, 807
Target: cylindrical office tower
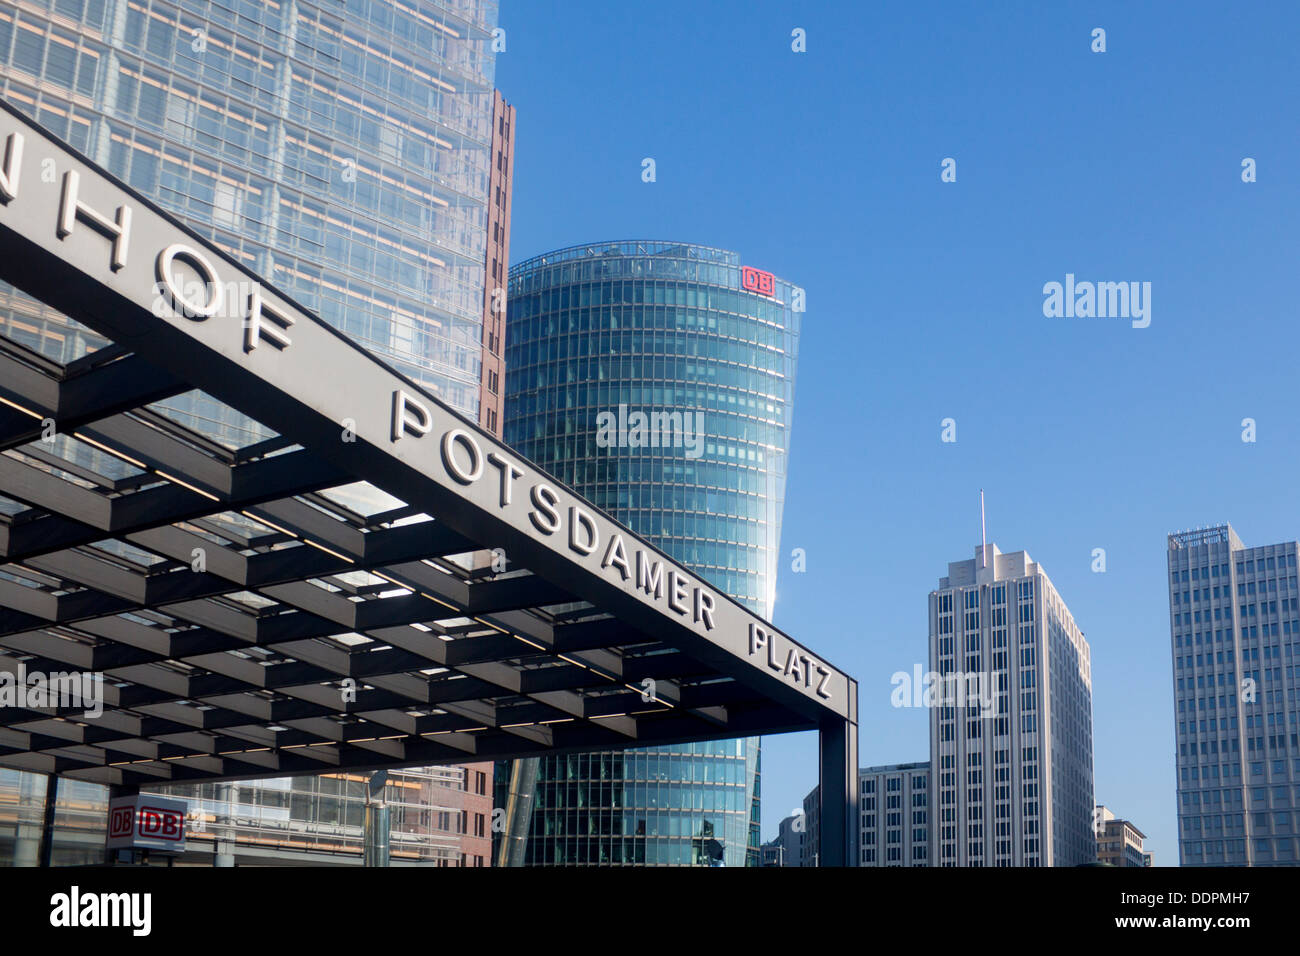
657, 380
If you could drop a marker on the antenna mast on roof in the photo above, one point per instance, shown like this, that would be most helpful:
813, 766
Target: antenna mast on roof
984, 561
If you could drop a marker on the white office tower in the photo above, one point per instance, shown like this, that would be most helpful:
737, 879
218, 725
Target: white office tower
1234, 629
1010, 718
894, 814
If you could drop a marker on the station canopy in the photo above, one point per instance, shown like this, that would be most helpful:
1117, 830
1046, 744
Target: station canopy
349, 575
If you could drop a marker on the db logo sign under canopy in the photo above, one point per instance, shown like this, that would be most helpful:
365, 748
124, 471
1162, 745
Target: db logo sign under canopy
146, 822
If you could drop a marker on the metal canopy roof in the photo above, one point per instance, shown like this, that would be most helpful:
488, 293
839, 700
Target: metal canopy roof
320, 598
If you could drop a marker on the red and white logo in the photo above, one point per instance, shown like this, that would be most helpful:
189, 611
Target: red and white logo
162, 824
146, 822
756, 280
121, 822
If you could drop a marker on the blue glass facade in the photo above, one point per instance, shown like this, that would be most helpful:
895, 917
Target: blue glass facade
342, 149
1231, 607
597, 336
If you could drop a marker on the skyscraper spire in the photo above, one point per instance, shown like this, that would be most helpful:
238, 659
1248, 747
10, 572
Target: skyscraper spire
984, 545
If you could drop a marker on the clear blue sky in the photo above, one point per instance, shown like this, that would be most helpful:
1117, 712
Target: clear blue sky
925, 298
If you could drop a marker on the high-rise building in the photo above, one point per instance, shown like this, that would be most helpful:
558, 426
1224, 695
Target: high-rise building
492, 385
1119, 842
657, 379
1011, 735
1234, 622
356, 156
786, 848
812, 809
893, 812
894, 806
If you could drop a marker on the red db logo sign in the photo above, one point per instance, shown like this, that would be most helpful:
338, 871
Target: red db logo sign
160, 824
121, 822
756, 280
146, 822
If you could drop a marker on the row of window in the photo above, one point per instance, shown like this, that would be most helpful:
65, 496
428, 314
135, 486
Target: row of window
1262, 609
674, 328
682, 283
1244, 566
1244, 589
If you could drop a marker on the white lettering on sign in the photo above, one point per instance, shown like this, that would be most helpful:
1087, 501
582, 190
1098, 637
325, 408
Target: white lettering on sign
255, 329
72, 209
508, 475
544, 516
583, 535
93, 233
796, 666
649, 575
12, 168
463, 459
410, 417
677, 593
263, 321
458, 437
704, 608
616, 557
180, 300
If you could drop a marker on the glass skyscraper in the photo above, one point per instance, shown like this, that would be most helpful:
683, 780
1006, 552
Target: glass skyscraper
1234, 621
350, 152
657, 379
340, 150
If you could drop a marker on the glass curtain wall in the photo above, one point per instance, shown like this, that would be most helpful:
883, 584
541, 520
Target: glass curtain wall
599, 335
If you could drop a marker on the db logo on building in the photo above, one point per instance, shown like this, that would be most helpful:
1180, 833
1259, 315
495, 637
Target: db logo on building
161, 824
155, 823
122, 822
756, 280
146, 822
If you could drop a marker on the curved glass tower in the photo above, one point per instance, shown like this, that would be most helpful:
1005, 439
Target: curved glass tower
657, 379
